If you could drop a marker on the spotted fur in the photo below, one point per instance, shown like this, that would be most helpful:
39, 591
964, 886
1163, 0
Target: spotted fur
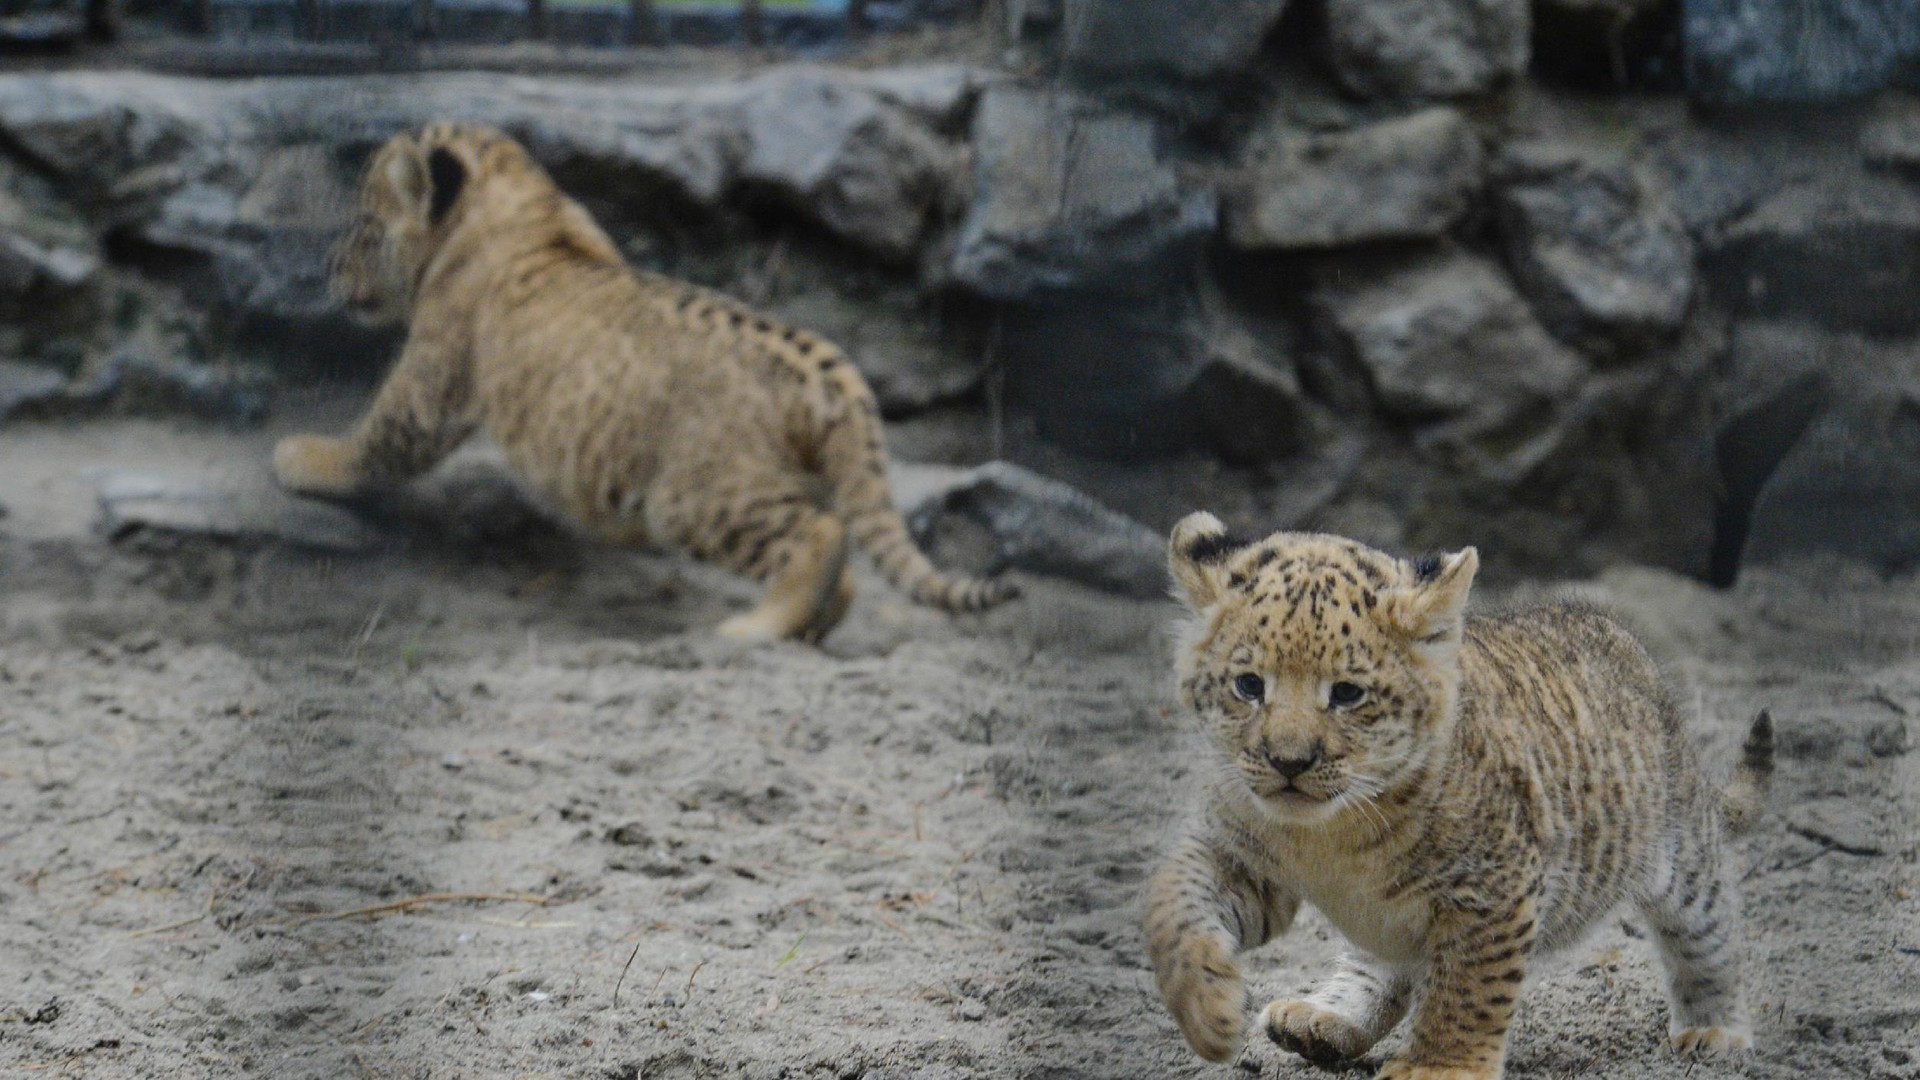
642, 406
1500, 785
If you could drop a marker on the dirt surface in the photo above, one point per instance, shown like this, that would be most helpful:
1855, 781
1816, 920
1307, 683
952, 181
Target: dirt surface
458, 809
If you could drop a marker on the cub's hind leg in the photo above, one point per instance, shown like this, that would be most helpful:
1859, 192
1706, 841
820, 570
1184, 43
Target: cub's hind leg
766, 525
419, 416
1344, 1016
832, 611
1694, 915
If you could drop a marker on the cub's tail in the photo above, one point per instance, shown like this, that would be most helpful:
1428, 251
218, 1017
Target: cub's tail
854, 459
1746, 794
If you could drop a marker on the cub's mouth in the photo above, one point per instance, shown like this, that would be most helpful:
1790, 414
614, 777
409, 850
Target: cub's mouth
1288, 793
1295, 795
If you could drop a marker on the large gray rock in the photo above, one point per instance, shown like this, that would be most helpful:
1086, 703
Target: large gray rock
1036, 524
1401, 179
1448, 345
135, 382
1150, 38
32, 207
1069, 192
1127, 375
1608, 267
1427, 48
838, 153
1797, 50
223, 508
51, 276
26, 389
1843, 251
1712, 176
32, 274
140, 382
1847, 480
1892, 139
1245, 402
1104, 374
111, 136
263, 228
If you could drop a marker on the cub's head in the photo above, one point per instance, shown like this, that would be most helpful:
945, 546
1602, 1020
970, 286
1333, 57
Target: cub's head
1325, 670
408, 200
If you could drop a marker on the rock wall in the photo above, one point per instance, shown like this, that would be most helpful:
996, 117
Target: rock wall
1403, 278
1515, 278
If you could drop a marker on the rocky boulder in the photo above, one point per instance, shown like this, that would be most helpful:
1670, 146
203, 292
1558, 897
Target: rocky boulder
1449, 347
1245, 401
840, 154
1843, 251
1410, 178
1069, 193
111, 137
1036, 524
1712, 176
47, 284
1427, 48
1844, 444
1124, 375
1793, 50
1892, 139
1153, 39
1103, 373
1608, 267
26, 389
51, 277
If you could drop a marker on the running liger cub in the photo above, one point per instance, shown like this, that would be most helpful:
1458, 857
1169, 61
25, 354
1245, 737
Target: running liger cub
1455, 795
644, 407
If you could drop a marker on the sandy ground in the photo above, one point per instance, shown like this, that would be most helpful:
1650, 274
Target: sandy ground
459, 810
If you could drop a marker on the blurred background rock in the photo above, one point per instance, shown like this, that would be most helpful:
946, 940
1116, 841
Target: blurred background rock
1578, 281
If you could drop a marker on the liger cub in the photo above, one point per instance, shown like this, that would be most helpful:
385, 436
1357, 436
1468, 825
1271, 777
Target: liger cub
643, 407
1455, 794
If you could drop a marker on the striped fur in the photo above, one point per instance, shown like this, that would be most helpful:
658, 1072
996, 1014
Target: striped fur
643, 407
1481, 790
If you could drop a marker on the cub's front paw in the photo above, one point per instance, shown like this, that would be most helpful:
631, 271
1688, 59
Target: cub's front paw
1321, 1037
1204, 993
1710, 1042
315, 465
1402, 1069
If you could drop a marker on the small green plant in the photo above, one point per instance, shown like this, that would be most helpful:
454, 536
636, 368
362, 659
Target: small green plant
795, 951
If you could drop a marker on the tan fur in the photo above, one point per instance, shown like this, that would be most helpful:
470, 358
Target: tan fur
1497, 786
644, 407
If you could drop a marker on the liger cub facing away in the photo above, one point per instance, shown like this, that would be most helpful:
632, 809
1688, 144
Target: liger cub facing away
1454, 794
643, 407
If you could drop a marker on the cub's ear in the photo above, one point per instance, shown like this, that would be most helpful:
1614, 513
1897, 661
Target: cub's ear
405, 171
1430, 608
449, 176
1196, 557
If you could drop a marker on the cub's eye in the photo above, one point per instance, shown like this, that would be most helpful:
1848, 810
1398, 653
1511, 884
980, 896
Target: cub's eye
1249, 686
1345, 693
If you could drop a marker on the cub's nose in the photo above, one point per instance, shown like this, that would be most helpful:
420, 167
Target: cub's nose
1292, 767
